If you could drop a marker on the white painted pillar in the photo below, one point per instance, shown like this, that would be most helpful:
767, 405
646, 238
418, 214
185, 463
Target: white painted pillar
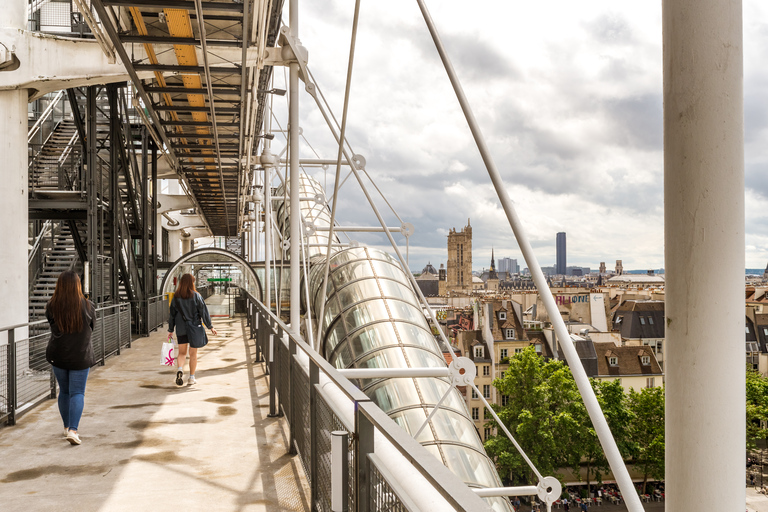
704, 237
295, 212
186, 244
14, 301
174, 244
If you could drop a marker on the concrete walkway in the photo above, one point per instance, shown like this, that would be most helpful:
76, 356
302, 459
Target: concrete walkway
148, 445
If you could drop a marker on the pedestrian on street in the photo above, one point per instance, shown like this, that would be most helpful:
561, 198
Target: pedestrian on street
188, 313
69, 350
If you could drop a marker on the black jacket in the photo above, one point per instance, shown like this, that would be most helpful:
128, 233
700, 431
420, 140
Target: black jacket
72, 351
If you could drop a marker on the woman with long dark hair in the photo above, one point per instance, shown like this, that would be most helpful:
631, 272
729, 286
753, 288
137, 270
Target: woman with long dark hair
187, 314
69, 350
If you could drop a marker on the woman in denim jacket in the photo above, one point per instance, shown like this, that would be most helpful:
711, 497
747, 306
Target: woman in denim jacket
187, 314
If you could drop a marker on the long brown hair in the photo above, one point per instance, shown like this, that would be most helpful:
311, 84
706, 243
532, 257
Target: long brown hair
66, 305
186, 287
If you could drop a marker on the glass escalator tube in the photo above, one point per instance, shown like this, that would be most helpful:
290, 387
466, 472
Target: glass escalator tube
373, 319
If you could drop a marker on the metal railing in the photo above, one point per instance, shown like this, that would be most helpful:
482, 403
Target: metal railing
317, 400
150, 314
26, 378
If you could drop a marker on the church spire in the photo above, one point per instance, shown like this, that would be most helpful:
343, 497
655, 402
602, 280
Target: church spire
493, 264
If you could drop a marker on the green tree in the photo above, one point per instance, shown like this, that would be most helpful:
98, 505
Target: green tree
542, 412
646, 431
757, 407
613, 402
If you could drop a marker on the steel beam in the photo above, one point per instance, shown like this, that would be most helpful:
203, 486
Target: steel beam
176, 4
179, 40
175, 68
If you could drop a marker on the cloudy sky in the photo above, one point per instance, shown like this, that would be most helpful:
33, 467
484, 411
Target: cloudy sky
569, 97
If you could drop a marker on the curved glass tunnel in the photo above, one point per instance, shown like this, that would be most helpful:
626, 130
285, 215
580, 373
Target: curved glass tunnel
220, 276
373, 319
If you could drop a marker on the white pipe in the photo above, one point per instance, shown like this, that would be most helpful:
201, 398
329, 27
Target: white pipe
385, 373
612, 453
293, 115
489, 492
704, 254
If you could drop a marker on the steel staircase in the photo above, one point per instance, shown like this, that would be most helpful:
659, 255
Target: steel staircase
58, 258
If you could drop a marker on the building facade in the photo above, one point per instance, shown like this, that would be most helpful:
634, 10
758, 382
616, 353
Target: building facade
459, 268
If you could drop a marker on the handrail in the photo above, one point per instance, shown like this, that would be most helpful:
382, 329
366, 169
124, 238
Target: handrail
36, 322
46, 114
444, 482
38, 241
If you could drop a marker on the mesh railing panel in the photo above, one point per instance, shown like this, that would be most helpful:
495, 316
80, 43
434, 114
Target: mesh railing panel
111, 343
283, 359
98, 349
125, 326
33, 373
300, 387
383, 497
3, 382
327, 421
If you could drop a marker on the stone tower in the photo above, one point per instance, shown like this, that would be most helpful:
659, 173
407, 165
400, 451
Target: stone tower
619, 267
459, 271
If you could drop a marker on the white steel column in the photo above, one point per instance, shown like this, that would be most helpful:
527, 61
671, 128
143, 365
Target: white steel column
174, 244
704, 237
14, 304
186, 244
268, 160
295, 213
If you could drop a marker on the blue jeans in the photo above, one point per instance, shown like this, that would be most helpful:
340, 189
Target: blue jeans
71, 395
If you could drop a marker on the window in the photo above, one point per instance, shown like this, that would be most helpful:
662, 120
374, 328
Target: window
642, 320
613, 361
479, 352
504, 400
765, 331
475, 413
650, 320
518, 351
503, 352
509, 334
746, 329
619, 319
487, 390
650, 382
486, 370
502, 315
474, 394
502, 374
486, 414
658, 347
645, 360
487, 433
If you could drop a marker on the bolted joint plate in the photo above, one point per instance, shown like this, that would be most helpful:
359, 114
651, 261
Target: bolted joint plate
462, 371
549, 489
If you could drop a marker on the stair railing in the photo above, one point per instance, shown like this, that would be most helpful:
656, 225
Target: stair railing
38, 241
45, 115
69, 171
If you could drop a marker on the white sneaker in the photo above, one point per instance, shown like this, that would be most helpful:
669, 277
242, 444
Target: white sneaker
73, 438
192, 380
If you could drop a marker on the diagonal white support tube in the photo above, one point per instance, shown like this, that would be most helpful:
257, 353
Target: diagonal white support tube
612, 453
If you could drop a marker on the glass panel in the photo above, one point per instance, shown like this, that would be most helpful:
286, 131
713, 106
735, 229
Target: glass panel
470, 466
371, 338
414, 335
352, 272
411, 420
365, 313
432, 391
405, 311
388, 270
397, 289
395, 394
453, 426
359, 291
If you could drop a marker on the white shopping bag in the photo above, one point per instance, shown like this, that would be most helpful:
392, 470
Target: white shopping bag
168, 354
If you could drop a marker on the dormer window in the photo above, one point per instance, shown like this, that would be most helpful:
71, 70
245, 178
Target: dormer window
645, 360
502, 315
613, 361
650, 320
619, 319
509, 334
642, 320
478, 352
